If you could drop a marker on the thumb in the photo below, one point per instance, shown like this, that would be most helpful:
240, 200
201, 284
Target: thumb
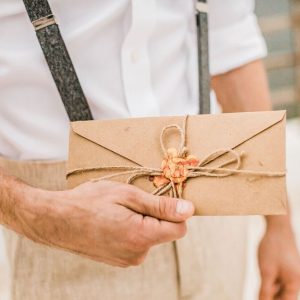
162, 207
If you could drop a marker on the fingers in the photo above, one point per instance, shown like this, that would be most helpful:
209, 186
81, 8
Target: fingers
289, 296
268, 288
266, 292
290, 292
160, 207
158, 232
278, 286
271, 290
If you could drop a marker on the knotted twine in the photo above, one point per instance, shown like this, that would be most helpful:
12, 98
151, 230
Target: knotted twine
177, 167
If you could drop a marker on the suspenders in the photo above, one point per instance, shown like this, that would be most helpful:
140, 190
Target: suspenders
203, 56
63, 71
58, 59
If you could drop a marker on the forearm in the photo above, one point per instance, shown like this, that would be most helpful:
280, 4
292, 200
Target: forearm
13, 196
101, 220
243, 89
246, 89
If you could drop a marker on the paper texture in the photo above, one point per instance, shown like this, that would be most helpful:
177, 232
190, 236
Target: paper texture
135, 142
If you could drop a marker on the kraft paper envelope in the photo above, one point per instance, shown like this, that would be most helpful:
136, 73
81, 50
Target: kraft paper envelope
258, 137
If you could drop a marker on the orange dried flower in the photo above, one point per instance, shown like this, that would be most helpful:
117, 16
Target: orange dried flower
174, 168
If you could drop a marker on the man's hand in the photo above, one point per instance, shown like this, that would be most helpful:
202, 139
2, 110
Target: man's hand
279, 264
105, 221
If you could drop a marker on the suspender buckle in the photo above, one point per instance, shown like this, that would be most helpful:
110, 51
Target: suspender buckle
44, 22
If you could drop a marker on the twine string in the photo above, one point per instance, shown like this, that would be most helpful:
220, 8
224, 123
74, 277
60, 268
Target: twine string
175, 189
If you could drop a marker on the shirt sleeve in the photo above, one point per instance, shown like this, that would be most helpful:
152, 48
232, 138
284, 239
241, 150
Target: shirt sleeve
235, 37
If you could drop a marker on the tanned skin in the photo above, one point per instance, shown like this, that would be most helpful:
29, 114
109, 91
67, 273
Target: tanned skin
117, 224
105, 221
246, 89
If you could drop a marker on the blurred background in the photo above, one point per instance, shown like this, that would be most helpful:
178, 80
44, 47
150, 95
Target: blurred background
280, 23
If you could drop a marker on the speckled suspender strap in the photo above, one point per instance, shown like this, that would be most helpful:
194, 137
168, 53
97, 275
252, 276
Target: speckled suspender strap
58, 59
64, 74
203, 56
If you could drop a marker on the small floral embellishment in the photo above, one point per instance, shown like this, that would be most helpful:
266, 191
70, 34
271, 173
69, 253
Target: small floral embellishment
174, 169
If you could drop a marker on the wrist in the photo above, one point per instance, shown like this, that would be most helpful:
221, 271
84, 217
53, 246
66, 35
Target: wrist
278, 223
31, 207
16, 197
11, 193
19, 204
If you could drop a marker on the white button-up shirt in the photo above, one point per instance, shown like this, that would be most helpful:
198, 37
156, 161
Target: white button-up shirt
132, 57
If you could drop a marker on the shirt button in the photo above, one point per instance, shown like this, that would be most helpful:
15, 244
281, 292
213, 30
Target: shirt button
134, 56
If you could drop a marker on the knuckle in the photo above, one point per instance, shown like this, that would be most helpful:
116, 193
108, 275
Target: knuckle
166, 205
137, 243
182, 230
124, 190
266, 291
129, 192
138, 260
125, 195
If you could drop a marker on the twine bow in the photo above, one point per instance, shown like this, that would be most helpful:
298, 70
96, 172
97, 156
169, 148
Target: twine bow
177, 167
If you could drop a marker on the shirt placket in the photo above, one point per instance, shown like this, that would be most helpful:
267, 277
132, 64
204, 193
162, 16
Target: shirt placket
136, 67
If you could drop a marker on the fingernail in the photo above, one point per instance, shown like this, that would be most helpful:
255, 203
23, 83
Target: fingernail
184, 207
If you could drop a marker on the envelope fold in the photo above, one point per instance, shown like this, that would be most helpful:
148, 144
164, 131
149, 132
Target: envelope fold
136, 142
137, 139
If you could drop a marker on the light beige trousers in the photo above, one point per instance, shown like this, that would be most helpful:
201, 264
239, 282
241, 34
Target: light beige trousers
208, 264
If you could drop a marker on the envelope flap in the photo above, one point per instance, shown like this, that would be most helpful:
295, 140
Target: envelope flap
137, 139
